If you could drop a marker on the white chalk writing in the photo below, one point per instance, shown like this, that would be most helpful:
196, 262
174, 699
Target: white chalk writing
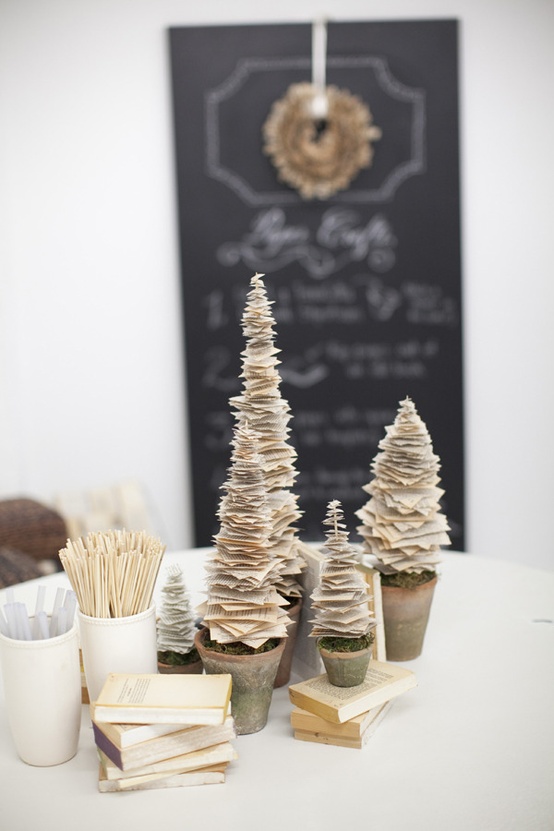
341, 237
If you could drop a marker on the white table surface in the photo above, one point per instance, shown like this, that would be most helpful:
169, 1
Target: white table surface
471, 748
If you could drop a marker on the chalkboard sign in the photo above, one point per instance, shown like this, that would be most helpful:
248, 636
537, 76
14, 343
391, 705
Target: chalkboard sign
366, 284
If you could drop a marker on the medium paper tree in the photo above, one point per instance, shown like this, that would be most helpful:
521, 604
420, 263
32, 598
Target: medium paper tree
268, 414
340, 601
176, 620
243, 604
403, 526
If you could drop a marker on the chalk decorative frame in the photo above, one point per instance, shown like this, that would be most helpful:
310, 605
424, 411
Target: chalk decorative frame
413, 164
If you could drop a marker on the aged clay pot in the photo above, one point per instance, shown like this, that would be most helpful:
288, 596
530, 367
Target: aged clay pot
405, 615
252, 681
194, 668
283, 673
346, 669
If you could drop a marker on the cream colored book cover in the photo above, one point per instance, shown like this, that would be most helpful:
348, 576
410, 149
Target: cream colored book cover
156, 698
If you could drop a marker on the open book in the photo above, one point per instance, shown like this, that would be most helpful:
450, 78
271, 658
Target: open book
383, 682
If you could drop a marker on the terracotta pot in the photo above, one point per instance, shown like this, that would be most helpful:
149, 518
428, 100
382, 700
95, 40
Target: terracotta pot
346, 669
405, 615
194, 668
283, 673
253, 677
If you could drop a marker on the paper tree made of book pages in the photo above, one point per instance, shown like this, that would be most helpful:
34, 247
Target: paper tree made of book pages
340, 600
268, 414
403, 527
242, 603
176, 618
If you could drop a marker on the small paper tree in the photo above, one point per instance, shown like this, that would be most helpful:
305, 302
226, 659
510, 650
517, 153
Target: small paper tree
340, 600
403, 527
243, 605
176, 621
268, 414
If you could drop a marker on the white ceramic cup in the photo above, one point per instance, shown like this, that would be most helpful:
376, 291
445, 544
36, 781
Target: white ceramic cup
117, 644
42, 685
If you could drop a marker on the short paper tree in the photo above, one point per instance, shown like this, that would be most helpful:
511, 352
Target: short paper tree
403, 527
176, 621
340, 601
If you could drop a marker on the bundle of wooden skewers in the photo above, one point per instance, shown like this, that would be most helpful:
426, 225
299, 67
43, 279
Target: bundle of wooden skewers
113, 573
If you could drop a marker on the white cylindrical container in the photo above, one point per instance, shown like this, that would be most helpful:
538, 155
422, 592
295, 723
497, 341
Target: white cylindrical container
117, 644
42, 685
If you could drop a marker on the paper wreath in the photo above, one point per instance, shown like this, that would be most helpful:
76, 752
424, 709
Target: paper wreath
319, 157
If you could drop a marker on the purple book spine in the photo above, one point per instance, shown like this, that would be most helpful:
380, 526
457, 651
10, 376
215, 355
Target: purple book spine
107, 746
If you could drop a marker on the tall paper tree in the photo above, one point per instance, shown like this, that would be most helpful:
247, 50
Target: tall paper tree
340, 600
269, 414
403, 526
243, 604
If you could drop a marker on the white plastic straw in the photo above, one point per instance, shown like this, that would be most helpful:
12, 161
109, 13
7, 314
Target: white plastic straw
39, 606
18, 621
61, 628
12, 619
23, 622
15, 622
4, 628
44, 631
70, 604
58, 601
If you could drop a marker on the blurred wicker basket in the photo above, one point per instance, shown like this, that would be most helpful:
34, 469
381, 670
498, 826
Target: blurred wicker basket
16, 567
32, 528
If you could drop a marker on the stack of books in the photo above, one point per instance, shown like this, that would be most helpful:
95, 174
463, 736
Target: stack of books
346, 716
353, 733
163, 731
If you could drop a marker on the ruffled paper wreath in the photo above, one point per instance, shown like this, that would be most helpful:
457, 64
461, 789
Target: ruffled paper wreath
319, 157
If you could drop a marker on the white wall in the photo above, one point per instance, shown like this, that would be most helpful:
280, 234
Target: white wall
91, 370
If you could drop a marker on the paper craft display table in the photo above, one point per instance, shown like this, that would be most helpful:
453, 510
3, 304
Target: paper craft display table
471, 748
